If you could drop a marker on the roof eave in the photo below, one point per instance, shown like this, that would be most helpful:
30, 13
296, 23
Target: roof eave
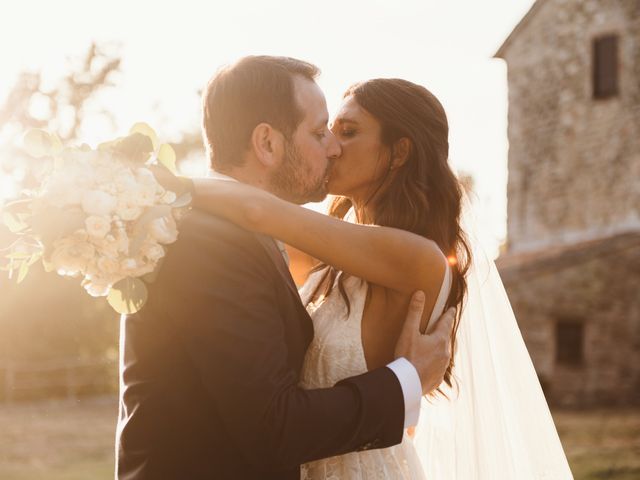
500, 53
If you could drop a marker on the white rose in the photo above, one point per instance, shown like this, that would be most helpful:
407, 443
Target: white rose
107, 246
146, 195
129, 214
143, 267
168, 197
122, 241
109, 188
145, 176
125, 181
152, 251
128, 264
97, 226
71, 255
108, 266
60, 191
164, 230
96, 202
135, 267
98, 285
129, 207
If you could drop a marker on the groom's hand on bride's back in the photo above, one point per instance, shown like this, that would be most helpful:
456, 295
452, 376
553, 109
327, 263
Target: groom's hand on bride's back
429, 353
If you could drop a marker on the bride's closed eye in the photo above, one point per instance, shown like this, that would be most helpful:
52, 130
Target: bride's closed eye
346, 132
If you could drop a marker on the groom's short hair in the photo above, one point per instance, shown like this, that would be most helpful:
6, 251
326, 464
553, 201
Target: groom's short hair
254, 90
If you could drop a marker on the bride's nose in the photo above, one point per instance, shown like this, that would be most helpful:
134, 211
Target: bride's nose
335, 149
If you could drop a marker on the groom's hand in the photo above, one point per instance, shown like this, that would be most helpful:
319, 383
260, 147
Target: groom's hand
430, 353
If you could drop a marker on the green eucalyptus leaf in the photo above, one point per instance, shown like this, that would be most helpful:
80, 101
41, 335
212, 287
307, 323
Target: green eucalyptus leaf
18, 255
128, 295
14, 222
146, 130
47, 265
136, 147
22, 272
56, 144
18, 206
110, 145
167, 157
34, 258
38, 143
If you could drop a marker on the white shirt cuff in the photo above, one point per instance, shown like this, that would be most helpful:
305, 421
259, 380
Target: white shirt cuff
411, 389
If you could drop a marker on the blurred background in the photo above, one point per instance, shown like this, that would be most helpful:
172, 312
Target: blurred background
543, 100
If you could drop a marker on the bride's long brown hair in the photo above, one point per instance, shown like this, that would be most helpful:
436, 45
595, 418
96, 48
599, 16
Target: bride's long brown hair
424, 196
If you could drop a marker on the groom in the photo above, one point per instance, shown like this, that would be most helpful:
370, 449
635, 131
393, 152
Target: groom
211, 364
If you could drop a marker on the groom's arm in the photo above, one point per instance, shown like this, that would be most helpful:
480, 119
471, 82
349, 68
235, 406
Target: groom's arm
223, 299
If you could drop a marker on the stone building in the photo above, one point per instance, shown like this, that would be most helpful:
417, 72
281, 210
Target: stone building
571, 264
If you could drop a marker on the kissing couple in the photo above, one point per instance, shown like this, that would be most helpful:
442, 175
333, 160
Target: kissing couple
374, 368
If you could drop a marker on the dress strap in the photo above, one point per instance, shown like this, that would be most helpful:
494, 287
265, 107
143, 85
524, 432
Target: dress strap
438, 309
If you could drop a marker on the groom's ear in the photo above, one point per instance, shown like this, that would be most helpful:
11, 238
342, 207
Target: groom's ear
267, 144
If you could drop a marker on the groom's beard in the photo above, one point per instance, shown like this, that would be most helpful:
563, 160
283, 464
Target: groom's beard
293, 180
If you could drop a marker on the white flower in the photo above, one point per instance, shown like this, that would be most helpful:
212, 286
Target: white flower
97, 226
107, 246
163, 230
129, 214
153, 251
146, 195
99, 285
72, 254
109, 188
128, 264
168, 197
146, 177
129, 208
61, 191
125, 181
96, 202
108, 265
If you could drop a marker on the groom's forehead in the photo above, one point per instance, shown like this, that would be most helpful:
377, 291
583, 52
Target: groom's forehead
309, 97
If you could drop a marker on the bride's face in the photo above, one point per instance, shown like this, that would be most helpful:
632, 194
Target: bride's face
364, 160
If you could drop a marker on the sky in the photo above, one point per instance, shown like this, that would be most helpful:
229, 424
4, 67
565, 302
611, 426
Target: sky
171, 49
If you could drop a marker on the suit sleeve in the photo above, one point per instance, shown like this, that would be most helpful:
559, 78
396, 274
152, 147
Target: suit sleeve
218, 288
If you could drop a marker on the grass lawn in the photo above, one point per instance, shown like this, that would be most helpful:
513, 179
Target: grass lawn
58, 440
64, 440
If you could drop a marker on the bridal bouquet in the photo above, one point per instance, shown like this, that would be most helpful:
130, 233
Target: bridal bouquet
102, 215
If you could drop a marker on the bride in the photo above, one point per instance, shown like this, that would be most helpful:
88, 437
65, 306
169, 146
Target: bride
402, 211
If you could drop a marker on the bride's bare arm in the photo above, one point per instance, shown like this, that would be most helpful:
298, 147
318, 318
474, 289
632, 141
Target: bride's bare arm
393, 258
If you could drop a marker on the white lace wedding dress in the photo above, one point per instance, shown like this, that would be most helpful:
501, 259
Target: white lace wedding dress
336, 353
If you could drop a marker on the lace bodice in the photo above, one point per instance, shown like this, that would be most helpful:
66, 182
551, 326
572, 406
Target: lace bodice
336, 353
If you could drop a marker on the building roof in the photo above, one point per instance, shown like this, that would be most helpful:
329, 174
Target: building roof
535, 8
563, 256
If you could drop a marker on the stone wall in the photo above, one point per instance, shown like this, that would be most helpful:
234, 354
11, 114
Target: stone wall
597, 284
574, 161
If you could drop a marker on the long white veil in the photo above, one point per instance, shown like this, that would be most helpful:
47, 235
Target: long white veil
496, 424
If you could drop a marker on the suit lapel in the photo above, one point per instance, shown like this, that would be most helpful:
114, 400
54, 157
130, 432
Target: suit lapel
274, 253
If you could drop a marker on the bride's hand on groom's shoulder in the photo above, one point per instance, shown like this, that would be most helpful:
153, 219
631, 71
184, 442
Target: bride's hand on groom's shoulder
429, 353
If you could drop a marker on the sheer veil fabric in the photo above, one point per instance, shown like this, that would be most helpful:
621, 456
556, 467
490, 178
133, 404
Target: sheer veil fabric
495, 423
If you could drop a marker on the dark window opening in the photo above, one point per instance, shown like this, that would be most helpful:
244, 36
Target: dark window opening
570, 342
605, 66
